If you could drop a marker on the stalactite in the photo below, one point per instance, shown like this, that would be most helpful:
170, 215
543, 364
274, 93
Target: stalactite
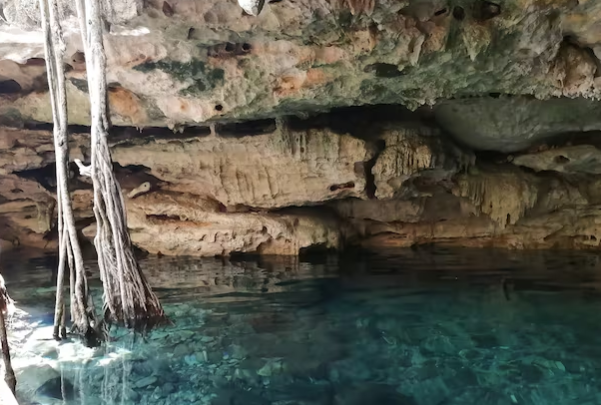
128, 298
504, 197
410, 155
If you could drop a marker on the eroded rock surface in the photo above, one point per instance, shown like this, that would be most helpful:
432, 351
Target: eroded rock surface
278, 168
186, 225
489, 137
568, 159
183, 62
321, 183
516, 123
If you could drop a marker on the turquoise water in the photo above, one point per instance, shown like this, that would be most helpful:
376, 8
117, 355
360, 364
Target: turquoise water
425, 327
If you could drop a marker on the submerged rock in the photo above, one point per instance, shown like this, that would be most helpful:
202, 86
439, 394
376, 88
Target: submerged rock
58, 388
375, 394
146, 381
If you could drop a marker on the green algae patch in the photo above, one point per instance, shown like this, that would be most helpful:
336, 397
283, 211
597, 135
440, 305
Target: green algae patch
11, 117
204, 78
81, 85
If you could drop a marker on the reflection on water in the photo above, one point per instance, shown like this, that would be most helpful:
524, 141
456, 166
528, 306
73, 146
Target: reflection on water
419, 328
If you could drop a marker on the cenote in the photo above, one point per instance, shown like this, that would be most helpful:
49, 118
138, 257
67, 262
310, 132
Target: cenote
292, 176
412, 327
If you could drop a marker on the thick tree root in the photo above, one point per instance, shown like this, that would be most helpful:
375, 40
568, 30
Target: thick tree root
82, 310
128, 298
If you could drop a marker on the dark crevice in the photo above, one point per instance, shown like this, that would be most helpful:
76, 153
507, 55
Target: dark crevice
248, 128
316, 254
44, 126
463, 96
119, 134
131, 168
384, 70
125, 134
35, 62
244, 257
344, 186
229, 49
132, 176
458, 13
238, 208
365, 122
490, 156
10, 87
163, 218
46, 177
167, 9
486, 10
80, 224
561, 159
370, 179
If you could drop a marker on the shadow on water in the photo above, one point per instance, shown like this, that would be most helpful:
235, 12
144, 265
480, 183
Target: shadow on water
410, 327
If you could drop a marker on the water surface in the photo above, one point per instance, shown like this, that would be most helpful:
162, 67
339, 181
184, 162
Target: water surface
420, 327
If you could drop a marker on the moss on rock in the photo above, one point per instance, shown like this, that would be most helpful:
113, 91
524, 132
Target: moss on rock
204, 78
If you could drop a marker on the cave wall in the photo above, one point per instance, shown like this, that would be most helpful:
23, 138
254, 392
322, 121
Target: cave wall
333, 181
318, 124
183, 62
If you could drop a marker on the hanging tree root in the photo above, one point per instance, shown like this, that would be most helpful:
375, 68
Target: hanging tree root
60, 331
82, 309
5, 304
128, 298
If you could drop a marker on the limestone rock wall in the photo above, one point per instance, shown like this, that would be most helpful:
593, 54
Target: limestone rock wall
289, 186
490, 137
278, 167
184, 62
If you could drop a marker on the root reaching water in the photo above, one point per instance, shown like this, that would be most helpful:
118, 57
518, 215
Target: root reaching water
82, 309
128, 298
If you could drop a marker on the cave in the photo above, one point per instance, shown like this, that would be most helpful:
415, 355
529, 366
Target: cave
341, 202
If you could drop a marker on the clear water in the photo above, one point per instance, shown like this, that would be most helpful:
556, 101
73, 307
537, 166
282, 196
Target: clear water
418, 328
